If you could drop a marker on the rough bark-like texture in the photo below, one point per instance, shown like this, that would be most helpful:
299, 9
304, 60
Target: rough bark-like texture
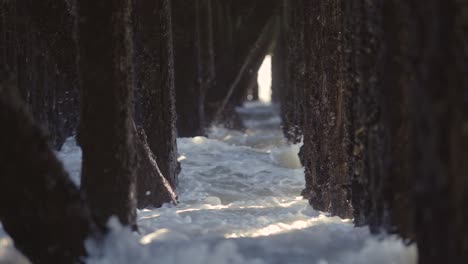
430, 73
105, 134
409, 119
153, 190
360, 69
385, 126
36, 44
325, 152
382, 178
40, 208
154, 73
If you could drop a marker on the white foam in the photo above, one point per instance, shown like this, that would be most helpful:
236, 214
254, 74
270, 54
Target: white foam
70, 156
287, 156
239, 203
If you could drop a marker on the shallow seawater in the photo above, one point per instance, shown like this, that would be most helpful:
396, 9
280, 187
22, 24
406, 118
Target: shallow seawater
239, 203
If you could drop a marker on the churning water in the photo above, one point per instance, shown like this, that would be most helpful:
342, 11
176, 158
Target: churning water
239, 203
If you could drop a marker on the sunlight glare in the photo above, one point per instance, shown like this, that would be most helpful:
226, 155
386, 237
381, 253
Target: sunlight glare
154, 236
264, 81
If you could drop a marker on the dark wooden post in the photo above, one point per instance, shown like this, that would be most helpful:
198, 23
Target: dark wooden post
105, 134
38, 46
40, 207
325, 153
154, 72
233, 45
194, 63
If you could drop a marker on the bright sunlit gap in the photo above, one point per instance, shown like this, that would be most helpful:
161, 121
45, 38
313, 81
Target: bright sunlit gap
264, 81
